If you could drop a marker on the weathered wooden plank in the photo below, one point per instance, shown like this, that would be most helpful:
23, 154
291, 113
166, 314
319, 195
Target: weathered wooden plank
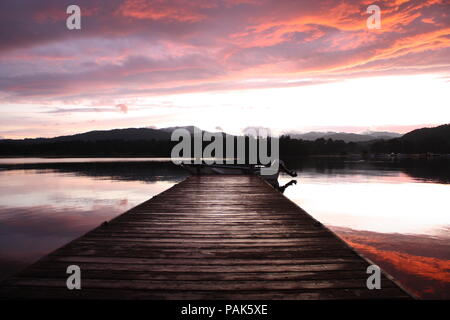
214, 234
88, 273
215, 268
208, 237
96, 294
205, 262
197, 285
204, 253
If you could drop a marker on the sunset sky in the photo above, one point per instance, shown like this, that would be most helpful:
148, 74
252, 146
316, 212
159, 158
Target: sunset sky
290, 65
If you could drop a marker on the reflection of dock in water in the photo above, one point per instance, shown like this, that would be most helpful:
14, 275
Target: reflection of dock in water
208, 237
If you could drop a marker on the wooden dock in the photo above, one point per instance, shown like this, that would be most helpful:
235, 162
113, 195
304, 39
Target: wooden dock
208, 237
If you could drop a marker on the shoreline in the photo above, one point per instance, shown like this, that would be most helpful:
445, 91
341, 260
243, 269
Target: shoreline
340, 156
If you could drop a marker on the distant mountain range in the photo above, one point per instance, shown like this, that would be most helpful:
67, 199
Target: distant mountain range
116, 134
128, 134
344, 136
156, 142
133, 134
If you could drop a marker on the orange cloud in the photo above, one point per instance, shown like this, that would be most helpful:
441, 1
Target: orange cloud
345, 23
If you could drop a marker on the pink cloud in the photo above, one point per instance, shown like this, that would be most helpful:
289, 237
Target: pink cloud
139, 48
122, 107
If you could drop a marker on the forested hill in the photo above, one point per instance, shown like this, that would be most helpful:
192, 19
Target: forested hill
110, 143
116, 134
434, 140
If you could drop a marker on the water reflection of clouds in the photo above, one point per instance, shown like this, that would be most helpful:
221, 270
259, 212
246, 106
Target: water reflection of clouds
28, 188
383, 207
351, 176
421, 263
30, 232
392, 217
41, 210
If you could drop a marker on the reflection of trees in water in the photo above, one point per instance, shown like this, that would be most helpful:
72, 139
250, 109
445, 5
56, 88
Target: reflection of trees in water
433, 170
129, 170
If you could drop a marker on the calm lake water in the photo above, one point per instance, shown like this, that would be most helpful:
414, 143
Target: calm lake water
395, 213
